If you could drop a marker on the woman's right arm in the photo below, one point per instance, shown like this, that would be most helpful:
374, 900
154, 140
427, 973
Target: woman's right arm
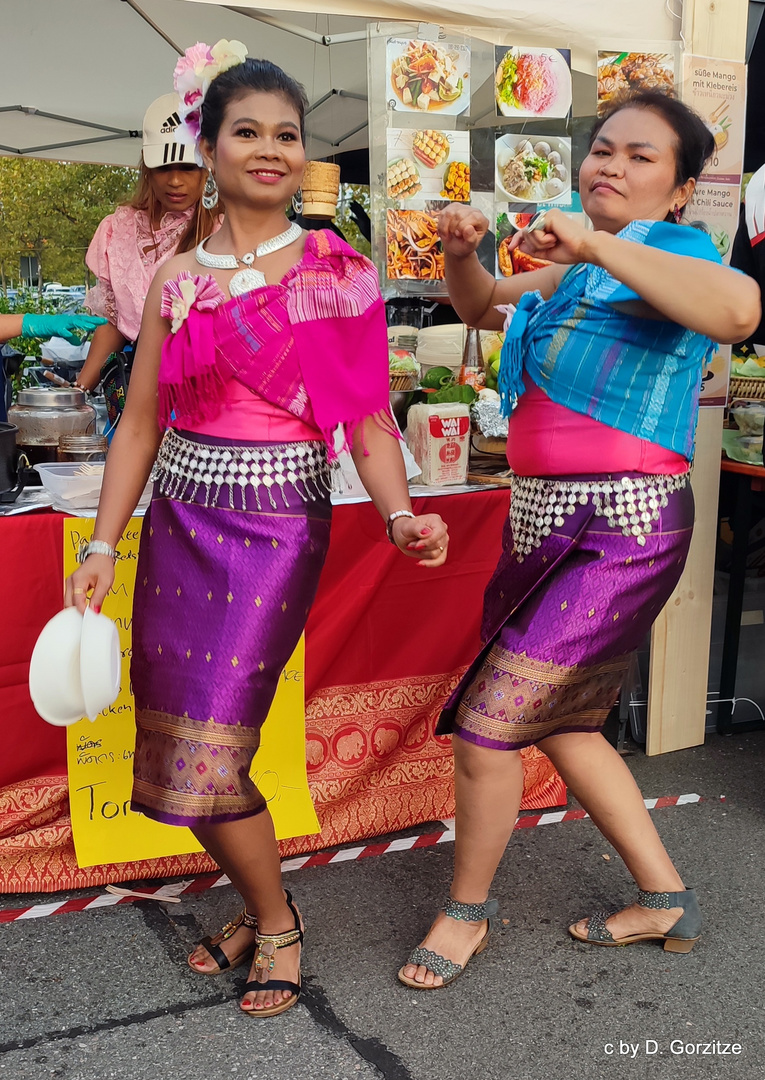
131, 455
473, 291
106, 340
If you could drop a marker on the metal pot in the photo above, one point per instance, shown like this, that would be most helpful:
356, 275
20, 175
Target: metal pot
42, 415
11, 480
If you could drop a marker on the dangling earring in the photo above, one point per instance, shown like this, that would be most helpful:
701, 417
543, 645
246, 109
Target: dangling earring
297, 201
677, 214
210, 193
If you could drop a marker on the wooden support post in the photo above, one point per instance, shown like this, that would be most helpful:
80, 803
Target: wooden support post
680, 639
677, 689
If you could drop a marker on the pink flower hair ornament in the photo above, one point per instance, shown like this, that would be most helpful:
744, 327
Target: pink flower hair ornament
193, 74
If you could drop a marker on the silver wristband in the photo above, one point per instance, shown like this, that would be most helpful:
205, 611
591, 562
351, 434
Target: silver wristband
95, 547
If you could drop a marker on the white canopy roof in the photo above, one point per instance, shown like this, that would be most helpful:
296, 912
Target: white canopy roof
77, 75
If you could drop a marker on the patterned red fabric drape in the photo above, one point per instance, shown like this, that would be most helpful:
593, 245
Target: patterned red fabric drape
385, 643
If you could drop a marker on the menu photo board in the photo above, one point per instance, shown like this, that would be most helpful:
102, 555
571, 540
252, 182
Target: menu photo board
413, 249
508, 221
714, 210
427, 77
427, 165
533, 169
716, 89
532, 82
622, 71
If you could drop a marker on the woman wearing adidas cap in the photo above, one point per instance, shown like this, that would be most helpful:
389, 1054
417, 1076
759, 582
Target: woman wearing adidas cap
164, 216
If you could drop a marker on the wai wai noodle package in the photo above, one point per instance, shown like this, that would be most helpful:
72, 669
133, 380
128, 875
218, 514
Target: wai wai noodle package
439, 439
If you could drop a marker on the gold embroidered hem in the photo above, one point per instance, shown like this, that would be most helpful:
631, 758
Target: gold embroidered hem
190, 772
514, 700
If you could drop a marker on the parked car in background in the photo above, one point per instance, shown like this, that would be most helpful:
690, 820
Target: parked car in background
57, 294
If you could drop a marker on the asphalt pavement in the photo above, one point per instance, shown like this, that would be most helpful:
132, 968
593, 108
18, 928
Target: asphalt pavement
106, 993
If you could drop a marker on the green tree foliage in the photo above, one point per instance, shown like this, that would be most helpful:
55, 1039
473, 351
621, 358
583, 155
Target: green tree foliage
353, 193
51, 210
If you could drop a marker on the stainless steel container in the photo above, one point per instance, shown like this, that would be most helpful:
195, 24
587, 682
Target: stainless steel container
42, 415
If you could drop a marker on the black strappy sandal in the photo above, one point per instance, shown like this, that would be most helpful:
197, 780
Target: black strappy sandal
265, 958
212, 944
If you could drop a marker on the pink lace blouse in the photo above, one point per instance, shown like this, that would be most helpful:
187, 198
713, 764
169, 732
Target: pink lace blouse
124, 255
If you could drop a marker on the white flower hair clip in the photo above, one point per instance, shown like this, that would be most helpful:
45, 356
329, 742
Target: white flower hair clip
193, 74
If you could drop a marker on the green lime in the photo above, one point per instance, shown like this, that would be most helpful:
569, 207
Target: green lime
437, 378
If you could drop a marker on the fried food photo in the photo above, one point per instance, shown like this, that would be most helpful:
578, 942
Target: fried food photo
413, 248
403, 179
430, 147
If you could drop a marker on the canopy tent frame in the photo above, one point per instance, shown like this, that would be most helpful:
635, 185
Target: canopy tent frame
292, 28
116, 133
324, 40
155, 26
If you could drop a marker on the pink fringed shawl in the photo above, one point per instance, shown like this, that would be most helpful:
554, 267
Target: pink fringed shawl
315, 345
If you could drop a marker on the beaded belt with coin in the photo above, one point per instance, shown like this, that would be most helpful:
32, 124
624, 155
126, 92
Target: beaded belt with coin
271, 473
631, 504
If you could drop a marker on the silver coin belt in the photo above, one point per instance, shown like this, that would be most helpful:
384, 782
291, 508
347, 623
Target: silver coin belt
632, 504
271, 473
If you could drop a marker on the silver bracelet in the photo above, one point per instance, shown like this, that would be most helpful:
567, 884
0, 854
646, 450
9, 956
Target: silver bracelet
391, 518
95, 547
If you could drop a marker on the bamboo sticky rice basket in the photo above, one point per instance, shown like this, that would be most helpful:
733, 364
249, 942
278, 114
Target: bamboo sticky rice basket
321, 186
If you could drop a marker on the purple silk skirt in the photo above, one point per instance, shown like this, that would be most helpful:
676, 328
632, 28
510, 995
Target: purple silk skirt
221, 598
560, 625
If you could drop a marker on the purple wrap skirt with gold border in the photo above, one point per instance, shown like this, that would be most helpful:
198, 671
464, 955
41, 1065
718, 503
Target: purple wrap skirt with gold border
560, 624
222, 595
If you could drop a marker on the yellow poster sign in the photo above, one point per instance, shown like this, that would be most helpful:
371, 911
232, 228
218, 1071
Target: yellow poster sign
100, 754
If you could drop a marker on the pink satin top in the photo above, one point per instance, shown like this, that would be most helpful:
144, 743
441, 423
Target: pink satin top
548, 439
247, 416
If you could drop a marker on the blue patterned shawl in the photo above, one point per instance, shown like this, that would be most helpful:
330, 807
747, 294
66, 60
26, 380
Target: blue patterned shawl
638, 375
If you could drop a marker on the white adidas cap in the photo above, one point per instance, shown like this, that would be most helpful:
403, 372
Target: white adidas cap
159, 145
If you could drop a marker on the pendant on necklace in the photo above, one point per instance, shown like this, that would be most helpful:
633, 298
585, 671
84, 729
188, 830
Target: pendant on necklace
245, 281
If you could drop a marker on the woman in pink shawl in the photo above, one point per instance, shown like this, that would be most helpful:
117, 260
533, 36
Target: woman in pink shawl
254, 349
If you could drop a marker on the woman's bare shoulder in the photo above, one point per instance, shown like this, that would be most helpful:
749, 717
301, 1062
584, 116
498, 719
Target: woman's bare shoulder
178, 263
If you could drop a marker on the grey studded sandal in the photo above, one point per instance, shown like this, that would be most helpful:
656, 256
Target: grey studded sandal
440, 965
680, 938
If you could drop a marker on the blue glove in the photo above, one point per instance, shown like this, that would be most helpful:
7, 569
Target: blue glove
64, 326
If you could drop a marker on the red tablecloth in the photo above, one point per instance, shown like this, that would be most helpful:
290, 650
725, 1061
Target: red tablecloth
385, 643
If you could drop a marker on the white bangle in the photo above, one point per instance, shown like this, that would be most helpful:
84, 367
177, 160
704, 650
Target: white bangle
391, 518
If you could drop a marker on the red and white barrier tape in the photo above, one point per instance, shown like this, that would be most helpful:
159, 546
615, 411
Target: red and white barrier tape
303, 862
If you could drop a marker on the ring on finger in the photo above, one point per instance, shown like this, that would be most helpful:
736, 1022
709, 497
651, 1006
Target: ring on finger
75, 591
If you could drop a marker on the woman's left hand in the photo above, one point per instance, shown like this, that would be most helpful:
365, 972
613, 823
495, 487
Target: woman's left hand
560, 240
424, 538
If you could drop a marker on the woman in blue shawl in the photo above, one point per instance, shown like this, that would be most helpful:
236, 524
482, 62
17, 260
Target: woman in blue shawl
601, 369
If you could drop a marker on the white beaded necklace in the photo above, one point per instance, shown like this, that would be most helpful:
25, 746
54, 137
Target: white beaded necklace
248, 279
